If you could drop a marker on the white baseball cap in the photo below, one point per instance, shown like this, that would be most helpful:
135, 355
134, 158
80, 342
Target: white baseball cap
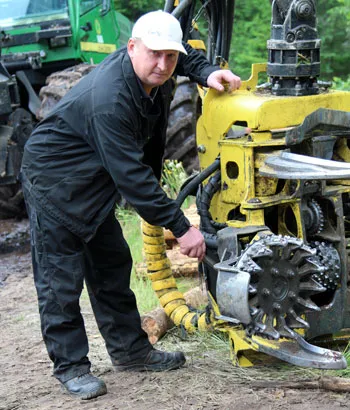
159, 30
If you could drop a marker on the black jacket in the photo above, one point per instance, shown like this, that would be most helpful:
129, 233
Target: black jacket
106, 135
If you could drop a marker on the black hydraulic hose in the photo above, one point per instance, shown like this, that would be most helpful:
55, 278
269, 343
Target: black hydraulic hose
177, 12
213, 186
14, 66
209, 238
208, 226
220, 15
225, 32
219, 37
211, 32
215, 24
203, 202
186, 21
230, 22
221, 29
218, 20
192, 186
169, 6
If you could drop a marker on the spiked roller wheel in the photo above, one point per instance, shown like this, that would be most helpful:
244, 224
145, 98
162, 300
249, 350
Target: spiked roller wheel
282, 273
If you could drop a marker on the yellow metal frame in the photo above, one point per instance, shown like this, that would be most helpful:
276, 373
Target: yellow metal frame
266, 115
242, 189
97, 47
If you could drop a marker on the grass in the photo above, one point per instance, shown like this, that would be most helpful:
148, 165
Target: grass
184, 284
142, 287
204, 344
173, 177
199, 344
346, 354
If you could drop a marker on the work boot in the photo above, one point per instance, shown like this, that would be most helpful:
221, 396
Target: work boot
153, 361
86, 386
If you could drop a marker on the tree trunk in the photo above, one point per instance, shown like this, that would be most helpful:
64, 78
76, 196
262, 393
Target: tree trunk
156, 323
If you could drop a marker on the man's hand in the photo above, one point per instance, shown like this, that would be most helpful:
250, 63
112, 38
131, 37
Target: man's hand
192, 244
224, 80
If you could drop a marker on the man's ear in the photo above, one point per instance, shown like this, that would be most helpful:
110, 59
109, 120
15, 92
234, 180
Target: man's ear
131, 47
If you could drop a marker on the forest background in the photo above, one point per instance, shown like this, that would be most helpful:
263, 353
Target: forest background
251, 30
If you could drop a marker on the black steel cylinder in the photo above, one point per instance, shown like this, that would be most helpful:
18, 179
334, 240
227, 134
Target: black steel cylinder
294, 48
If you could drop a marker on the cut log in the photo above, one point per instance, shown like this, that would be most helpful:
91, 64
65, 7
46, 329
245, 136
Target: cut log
196, 297
181, 265
156, 323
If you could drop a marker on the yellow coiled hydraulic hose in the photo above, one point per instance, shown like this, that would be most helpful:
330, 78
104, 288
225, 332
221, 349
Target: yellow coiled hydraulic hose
164, 284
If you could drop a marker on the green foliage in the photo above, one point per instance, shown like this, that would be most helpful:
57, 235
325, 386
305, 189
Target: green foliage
131, 225
133, 9
344, 372
145, 296
346, 353
334, 31
173, 176
341, 84
251, 30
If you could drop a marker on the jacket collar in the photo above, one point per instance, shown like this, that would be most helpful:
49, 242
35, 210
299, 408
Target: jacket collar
141, 99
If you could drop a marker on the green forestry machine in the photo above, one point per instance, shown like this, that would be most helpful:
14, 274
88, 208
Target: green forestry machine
46, 47
273, 197
37, 39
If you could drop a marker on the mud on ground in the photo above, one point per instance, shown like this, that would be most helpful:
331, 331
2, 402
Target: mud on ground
208, 381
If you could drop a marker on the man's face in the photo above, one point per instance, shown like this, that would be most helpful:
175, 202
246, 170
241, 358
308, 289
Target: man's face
152, 67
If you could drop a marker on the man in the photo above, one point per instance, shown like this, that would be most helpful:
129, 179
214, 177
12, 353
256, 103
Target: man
106, 135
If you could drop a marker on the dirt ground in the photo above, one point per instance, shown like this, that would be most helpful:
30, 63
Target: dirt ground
208, 381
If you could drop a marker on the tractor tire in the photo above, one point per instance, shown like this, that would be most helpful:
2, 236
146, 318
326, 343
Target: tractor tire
181, 142
181, 133
58, 84
11, 197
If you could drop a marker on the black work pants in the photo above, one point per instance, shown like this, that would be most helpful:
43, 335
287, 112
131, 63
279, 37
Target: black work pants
61, 263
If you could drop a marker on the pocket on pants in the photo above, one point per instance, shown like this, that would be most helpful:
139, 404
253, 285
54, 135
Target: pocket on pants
66, 273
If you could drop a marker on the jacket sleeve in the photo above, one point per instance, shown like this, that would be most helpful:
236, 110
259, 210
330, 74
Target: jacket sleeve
122, 157
195, 65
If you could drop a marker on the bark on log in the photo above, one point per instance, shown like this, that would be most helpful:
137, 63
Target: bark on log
336, 384
156, 323
196, 297
181, 265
